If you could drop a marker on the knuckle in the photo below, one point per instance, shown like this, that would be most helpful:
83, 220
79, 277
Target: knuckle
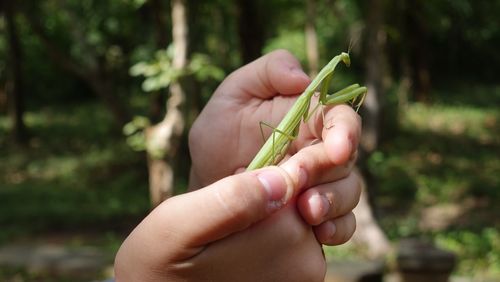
282, 55
336, 199
237, 200
346, 198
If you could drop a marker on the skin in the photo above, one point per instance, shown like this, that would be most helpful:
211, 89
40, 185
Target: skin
262, 225
264, 90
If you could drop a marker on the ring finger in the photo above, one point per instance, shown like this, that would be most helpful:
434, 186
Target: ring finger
336, 231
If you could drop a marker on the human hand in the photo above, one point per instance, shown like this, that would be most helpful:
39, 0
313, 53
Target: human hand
228, 231
226, 136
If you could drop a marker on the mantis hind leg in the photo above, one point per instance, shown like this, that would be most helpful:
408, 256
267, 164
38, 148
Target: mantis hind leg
273, 134
262, 123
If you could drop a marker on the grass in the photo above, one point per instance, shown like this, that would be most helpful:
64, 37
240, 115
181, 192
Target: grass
78, 182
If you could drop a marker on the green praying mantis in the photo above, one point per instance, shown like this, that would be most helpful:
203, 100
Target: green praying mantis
276, 146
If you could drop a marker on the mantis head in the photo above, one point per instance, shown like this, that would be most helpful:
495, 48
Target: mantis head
345, 58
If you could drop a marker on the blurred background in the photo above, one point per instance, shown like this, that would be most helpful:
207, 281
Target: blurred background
86, 148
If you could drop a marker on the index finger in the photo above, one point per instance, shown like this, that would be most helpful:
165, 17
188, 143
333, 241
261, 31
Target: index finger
332, 158
341, 131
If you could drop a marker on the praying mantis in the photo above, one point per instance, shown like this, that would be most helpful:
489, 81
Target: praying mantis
276, 146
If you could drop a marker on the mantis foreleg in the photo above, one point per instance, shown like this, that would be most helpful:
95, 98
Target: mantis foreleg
344, 95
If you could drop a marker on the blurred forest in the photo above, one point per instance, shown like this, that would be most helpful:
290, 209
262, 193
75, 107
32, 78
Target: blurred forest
86, 88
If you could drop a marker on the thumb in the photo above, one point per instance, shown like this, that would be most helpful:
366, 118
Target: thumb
278, 72
223, 208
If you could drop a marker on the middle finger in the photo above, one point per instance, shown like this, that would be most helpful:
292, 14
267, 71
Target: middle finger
331, 200
315, 167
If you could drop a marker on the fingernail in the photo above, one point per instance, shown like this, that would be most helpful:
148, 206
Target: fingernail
275, 185
331, 228
320, 206
325, 205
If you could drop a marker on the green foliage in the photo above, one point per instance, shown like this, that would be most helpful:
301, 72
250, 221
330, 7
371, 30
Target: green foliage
460, 36
293, 41
338, 24
137, 3
477, 250
160, 73
134, 130
203, 69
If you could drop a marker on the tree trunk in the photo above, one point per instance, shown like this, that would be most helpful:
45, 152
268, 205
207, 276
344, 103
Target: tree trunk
157, 98
250, 30
368, 231
417, 31
165, 136
374, 77
311, 39
14, 84
3, 98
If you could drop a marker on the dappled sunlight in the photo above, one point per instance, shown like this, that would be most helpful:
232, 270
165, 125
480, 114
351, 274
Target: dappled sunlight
470, 122
72, 175
444, 163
